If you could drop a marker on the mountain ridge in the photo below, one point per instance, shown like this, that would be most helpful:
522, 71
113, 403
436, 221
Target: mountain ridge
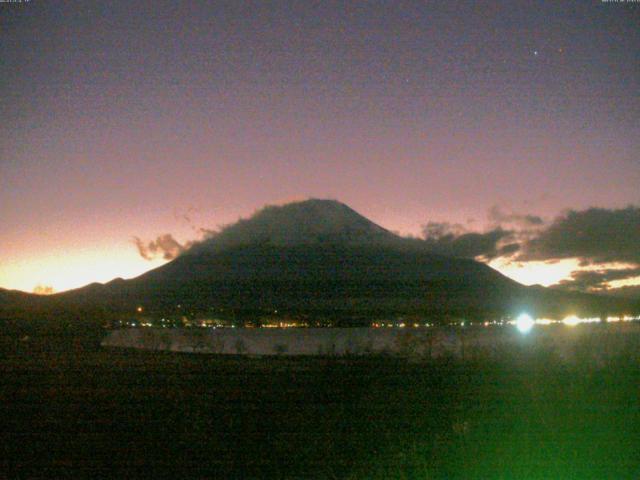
319, 258
310, 221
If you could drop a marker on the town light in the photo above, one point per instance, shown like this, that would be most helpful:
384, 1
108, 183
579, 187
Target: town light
571, 320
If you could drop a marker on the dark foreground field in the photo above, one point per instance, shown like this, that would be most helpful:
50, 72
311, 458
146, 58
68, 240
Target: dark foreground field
72, 409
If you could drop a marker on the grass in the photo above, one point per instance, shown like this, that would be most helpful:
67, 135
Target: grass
73, 409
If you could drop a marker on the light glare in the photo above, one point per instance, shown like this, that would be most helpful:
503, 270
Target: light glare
524, 323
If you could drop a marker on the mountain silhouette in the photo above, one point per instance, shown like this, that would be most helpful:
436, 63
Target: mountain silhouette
318, 259
301, 223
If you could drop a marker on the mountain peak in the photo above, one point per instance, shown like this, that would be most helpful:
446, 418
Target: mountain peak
307, 222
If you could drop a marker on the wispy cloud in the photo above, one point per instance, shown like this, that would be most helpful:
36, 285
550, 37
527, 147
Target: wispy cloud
164, 245
499, 217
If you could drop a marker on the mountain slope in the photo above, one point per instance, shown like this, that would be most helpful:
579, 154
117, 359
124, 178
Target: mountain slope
321, 258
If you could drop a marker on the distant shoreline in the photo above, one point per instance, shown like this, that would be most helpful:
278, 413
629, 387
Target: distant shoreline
599, 341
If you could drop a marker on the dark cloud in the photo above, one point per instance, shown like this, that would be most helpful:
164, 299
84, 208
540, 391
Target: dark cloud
164, 245
522, 221
596, 237
595, 280
593, 236
599, 239
453, 240
508, 250
436, 230
631, 291
207, 233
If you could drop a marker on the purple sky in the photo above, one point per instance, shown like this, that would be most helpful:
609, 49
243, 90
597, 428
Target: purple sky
119, 118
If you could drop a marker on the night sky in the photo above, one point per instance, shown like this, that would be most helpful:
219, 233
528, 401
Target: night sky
143, 118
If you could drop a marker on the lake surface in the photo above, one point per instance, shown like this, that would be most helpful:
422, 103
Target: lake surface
601, 340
